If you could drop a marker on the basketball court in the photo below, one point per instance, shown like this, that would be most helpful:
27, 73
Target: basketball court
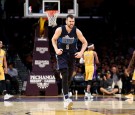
53, 105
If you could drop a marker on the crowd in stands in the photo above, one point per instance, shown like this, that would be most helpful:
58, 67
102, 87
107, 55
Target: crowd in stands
109, 78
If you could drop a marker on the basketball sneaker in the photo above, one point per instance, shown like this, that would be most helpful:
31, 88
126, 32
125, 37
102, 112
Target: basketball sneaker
68, 104
7, 96
88, 96
69, 94
129, 96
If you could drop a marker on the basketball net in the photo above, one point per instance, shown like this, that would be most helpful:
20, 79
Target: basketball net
52, 17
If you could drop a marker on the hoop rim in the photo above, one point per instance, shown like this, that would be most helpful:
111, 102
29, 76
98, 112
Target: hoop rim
51, 11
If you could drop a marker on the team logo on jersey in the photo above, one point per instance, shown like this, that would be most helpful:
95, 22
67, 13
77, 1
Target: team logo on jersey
41, 50
42, 81
68, 40
41, 63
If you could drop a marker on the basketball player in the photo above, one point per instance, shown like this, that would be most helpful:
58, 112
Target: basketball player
89, 58
3, 69
131, 68
64, 42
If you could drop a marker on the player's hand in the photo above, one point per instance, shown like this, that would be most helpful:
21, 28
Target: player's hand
126, 73
78, 55
5, 70
59, 51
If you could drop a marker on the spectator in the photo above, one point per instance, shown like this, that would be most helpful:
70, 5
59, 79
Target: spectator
106, 85
14, 74
116, 78
78, 81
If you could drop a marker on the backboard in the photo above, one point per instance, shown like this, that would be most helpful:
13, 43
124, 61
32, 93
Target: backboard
37, 9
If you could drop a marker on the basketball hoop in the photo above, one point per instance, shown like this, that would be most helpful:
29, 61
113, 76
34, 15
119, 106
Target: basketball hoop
52, 17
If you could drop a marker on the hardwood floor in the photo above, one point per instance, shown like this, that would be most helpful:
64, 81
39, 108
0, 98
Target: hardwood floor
43, 105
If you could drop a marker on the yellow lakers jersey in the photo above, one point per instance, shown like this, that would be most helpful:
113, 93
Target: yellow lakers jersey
2, 54
89, 58
133, 78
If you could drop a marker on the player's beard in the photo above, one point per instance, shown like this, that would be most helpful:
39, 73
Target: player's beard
70, 26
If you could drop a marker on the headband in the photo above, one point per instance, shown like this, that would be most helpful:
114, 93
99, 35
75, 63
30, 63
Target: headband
92, 45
